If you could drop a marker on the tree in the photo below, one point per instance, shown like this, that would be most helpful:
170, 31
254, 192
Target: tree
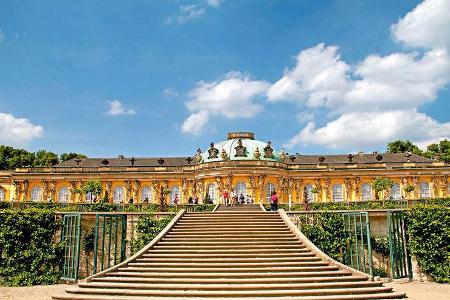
71, 155
400, 146
93, 187
44, 158
441, 150
381, 184
11, 158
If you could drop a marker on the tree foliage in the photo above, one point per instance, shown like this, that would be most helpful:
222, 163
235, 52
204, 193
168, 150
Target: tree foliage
12, 158
92, 186
44, 158
71, 155
439, 150
381, 184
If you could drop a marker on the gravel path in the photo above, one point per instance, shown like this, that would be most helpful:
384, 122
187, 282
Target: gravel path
414, 291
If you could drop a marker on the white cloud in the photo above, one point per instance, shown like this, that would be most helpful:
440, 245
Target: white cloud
319, 78
17, 131
186, 13
116, 108
170, 92
233, 97
362, 130
214, 3
195, 123
428, 25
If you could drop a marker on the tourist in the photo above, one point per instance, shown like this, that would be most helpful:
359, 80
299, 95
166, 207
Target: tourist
241, 199
226, 198
175, 200
130, 201
146, 200
190, 200
195, 200
274, 201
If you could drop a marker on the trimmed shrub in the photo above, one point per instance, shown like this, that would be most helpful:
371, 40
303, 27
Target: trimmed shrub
429, 231
28, 253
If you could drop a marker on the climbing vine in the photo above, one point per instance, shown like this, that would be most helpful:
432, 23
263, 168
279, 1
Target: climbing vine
28, 253
429, 231
147, 229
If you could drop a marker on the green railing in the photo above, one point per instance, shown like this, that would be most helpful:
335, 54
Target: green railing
71, 238
358, 254
110, 238
399, 255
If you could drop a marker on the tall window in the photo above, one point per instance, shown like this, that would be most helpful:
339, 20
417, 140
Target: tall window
118, 195
269, 189
36, 194
212, 192
308, 194
89, 197
424, 189
366, 192
146, 194
241, 188
63, 195
175, 195
338, 193
2, 195
395, 192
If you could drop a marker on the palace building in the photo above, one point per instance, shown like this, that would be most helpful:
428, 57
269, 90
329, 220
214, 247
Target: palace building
241, 164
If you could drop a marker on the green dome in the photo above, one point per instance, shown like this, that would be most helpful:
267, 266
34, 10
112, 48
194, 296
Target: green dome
240, 146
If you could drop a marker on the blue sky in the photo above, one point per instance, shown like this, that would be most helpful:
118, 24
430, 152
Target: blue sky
123, 77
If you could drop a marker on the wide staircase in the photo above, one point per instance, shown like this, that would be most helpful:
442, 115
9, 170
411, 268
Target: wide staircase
234, 253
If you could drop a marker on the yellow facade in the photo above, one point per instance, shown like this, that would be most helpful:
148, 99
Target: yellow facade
332, 178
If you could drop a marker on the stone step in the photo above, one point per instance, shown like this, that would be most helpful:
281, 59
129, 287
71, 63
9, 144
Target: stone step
269, 280
227, 264
232, 236
230, 286
228, 293
243, 269
218, 249
221, 255
229, 231
218, 238
234, 275
316, 297
268, 244
228, 251
229, 259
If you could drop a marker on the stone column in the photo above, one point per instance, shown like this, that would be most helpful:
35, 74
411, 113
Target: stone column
184, 190
16, 190
252, 184
444, 185
52, 191
416, 187
25, 187
128, 193
72, 190
435, 182
136, 187
348, 189
357, 182
318, 186
299, 190
327, 190
261, 181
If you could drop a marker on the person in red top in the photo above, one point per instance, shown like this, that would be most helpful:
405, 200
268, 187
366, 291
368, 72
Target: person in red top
274, 201
226, 198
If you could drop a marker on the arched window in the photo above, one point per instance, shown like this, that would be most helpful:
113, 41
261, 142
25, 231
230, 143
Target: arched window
395, 192
424, 189
308, 194
63, 195
338, 193
241, 188
212, 192
2, 195
175, 195
118, 195
146, 194
366, 192
36, 194
269, 189
89, 197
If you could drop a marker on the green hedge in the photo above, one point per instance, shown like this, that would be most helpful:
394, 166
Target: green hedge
328, 234
429, 231
28, 253
147, 229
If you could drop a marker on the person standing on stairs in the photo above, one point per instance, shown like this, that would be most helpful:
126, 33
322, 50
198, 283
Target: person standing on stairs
274, 201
